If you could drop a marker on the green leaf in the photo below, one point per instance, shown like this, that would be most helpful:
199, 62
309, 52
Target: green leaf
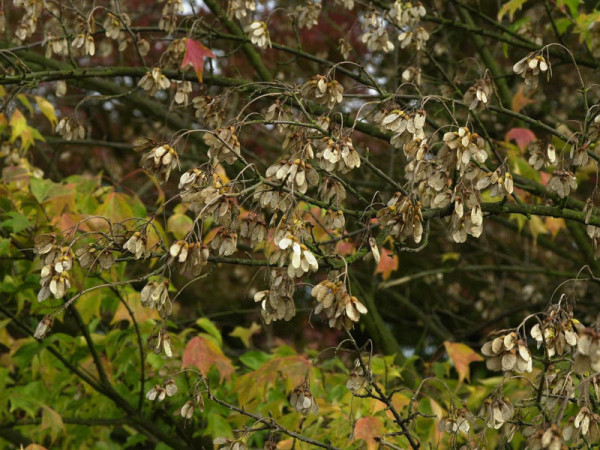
179, 225
52, 420
208, 326
40, 188
88, 305
217, 426
562, 24
4, 246
572, 5
254, 359
28, 397
117, 207
17, 222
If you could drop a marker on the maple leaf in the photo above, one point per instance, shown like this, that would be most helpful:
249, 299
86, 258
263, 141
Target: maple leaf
367, 429
461, 355
195, 53
554, 225
387, 263
202, 352
522, 136
245, 334
520, 100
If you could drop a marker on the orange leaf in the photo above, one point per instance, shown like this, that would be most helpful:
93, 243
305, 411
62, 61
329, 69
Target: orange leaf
522, 136
387, 263
520, 101
195, 53
367, 429
461, 355
554, 225
202, 352
400, 401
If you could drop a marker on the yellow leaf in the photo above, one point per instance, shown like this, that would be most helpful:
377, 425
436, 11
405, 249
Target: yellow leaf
554, 225
245, 334
450, 256
140, 313
510, 8
18, 124
47, 109
180, 225
25, 102
537, 227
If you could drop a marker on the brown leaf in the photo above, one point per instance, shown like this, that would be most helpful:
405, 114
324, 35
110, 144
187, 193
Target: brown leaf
202, 352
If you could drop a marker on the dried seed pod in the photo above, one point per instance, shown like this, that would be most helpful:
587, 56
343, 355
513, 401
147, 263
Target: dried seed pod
136, 244
303, 401
323, 91
43, 243
299, 258
497, 412
307, 14
562, 182
160, 161
507, 353
341, 309
154, 81
224, 242
530, 67
259, 34
43, 328
156, 393
170, 387
70, 129
223, 146
403, 217
338, 155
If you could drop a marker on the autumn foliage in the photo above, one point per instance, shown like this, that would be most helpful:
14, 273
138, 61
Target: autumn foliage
299, 224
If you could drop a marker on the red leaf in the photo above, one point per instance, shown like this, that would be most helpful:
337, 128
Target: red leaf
195, 53
522, 136
202, 352
367, 429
